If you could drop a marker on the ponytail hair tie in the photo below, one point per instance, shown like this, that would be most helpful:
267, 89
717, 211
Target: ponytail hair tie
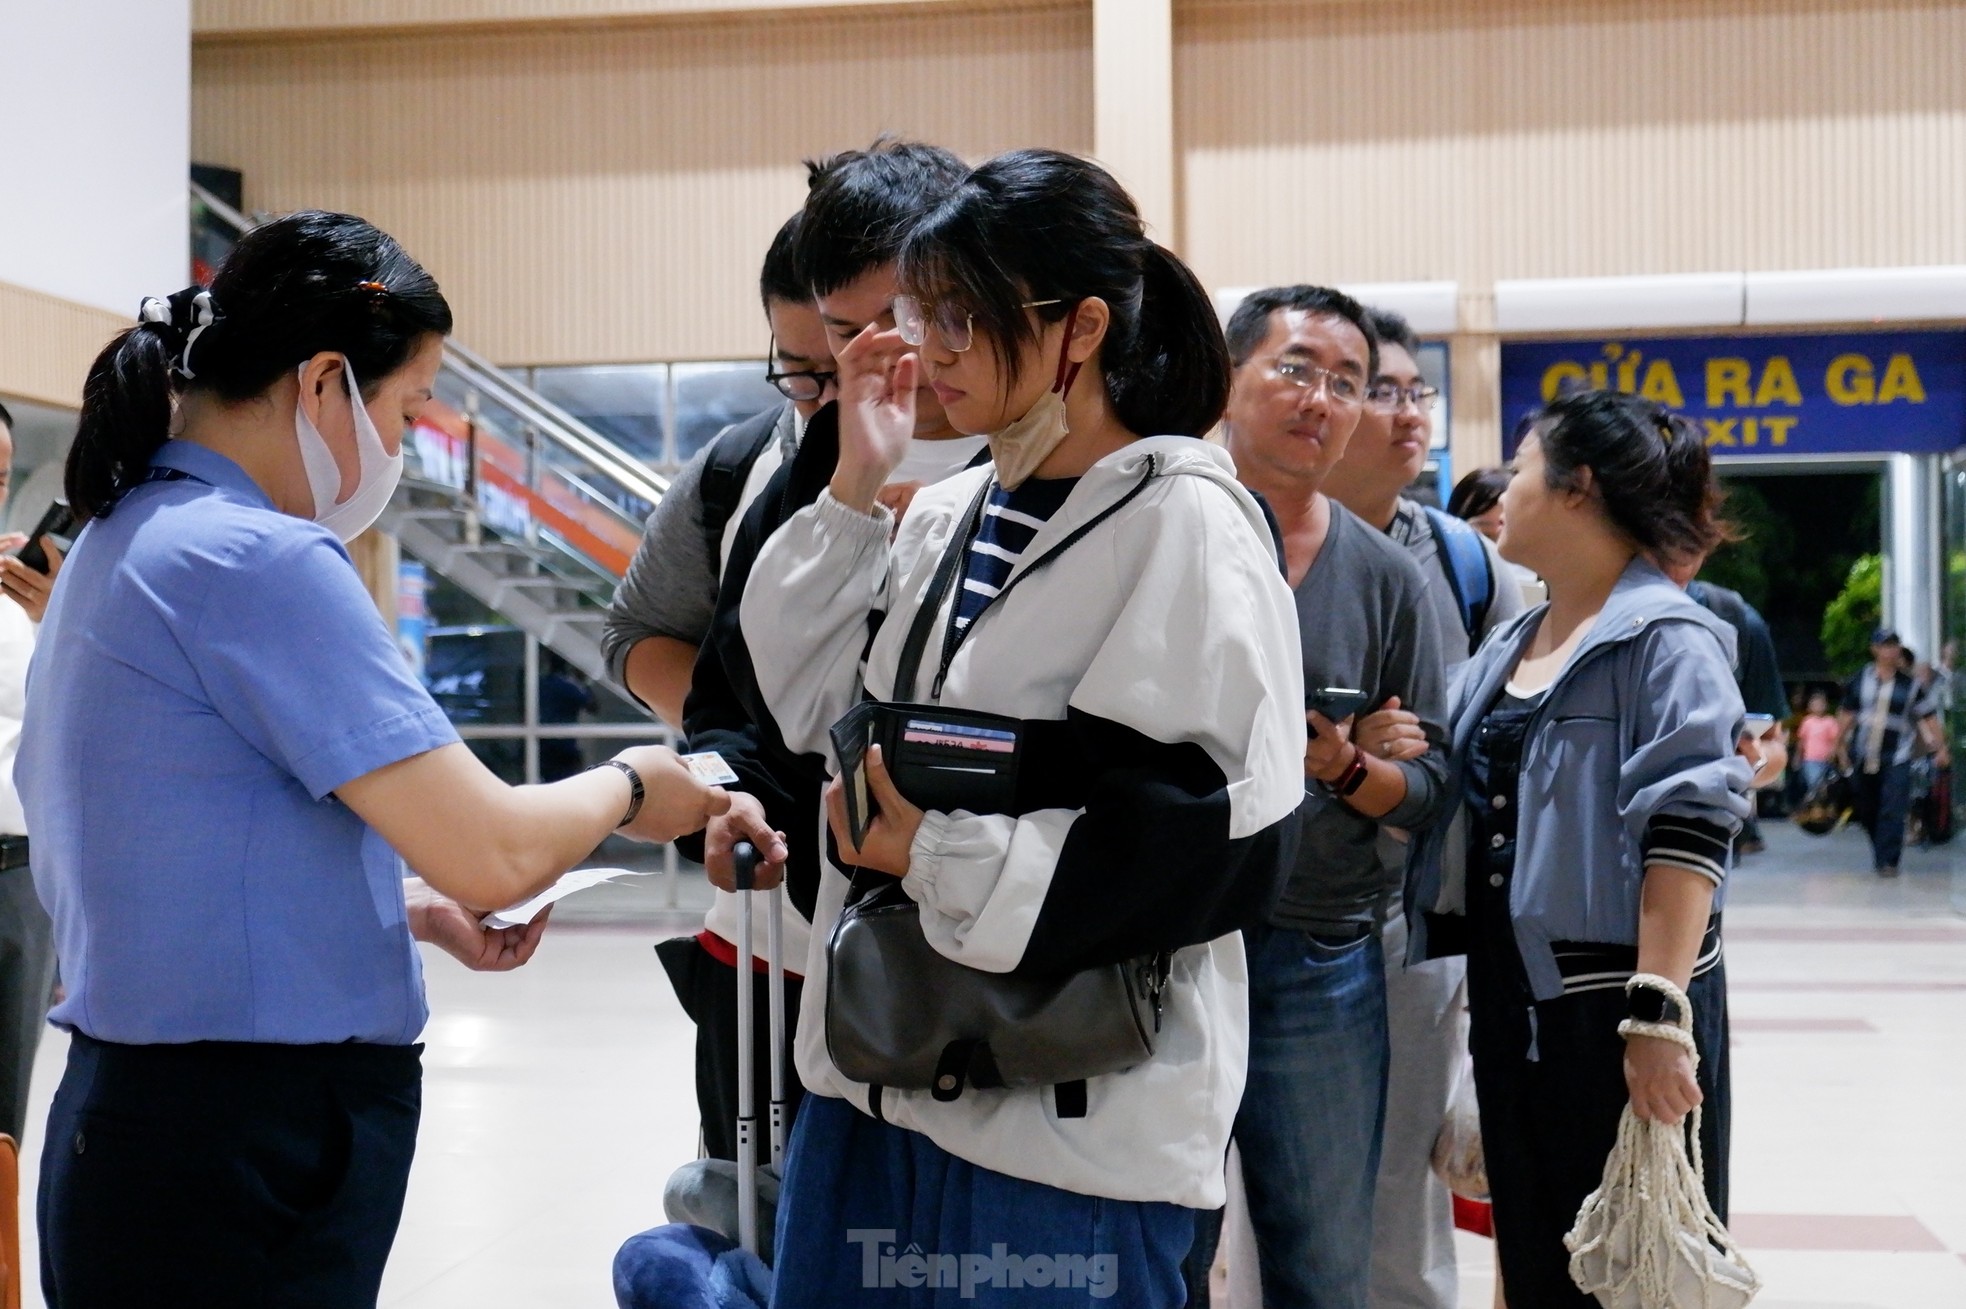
184, 318
1664, 419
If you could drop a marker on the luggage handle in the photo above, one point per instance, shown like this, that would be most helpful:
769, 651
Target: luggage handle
745, 858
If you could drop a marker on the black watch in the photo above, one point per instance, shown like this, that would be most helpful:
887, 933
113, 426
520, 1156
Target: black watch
1653, 1006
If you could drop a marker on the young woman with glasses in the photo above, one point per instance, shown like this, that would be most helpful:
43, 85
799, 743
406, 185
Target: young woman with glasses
1042, 315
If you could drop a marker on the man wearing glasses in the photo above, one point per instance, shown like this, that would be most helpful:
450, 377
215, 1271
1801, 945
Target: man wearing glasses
830, 273
1471, 593
661, 615
1309, 1126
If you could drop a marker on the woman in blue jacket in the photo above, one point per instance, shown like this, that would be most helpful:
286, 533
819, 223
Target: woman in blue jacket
1595, 747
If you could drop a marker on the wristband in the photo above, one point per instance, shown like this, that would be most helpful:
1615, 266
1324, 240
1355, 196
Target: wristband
1673, 1032
1353, 777
636, 793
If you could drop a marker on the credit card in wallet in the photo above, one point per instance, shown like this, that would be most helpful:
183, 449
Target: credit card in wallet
708, 767
958, 736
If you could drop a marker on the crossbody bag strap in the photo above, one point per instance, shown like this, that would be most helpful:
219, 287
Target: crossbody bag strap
952, 640
945, 576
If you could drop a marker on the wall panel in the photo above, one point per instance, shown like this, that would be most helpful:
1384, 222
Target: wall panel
1406, 141
606, 195
47, 344
250, 19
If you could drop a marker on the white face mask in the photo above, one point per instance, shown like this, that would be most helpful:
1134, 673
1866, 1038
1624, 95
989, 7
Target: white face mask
380, 470
1020, 448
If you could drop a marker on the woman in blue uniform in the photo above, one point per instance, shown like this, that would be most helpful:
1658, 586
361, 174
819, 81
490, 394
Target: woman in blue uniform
227, 763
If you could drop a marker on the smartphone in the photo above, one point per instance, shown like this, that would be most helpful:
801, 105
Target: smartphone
58, 522
1756, 726
1336, 703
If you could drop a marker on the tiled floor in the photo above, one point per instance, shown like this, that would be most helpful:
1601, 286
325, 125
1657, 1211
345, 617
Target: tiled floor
558, 1098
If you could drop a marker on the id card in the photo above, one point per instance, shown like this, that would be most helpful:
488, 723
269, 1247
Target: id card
708, 767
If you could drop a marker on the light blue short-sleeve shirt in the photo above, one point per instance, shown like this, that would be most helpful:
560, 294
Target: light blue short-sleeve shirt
209, 671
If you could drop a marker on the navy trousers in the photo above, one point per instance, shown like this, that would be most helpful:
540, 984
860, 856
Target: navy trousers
1883, 801
227, 1176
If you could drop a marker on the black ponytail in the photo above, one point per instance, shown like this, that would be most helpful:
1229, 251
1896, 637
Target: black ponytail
1174, 376
1649, 467
126, 417
1044, 225
302, 285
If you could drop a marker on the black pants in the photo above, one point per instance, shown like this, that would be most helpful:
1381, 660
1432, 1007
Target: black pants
1883, 801
27, 975
1551, 1082
707, 986
226, 1176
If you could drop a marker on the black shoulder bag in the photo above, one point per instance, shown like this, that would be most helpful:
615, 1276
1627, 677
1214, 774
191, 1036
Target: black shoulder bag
899, 1013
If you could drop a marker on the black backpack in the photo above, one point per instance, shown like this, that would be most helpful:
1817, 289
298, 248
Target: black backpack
728, 467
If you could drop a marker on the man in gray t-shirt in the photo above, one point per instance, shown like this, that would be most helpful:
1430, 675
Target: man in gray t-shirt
1470, 592
1309, 1125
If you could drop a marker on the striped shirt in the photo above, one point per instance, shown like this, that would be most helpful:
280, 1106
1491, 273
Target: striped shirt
1011, 520
1887, 716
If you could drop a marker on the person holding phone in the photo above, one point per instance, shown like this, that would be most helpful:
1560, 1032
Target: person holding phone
1041, 315
27, 945
227, 764
1311, 1123
1599, 786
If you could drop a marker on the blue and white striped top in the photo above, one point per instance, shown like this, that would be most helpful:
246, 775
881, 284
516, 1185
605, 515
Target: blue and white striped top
1011, 520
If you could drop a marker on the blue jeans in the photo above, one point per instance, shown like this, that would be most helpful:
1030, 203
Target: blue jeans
873, 1215
1311, 1120
1813, 773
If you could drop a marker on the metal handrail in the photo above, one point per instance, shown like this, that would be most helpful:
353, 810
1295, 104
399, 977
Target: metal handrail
238, 221
547, 419
555, 423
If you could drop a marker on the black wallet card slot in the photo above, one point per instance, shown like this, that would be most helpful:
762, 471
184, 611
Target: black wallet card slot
851, 737
939, 758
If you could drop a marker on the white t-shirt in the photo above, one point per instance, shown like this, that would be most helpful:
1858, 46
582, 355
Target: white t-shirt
929, 462
17, 633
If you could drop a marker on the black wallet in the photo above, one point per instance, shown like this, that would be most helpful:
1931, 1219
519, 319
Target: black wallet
940, 758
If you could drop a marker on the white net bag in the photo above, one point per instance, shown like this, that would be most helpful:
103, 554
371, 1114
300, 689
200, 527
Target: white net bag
1647, 1238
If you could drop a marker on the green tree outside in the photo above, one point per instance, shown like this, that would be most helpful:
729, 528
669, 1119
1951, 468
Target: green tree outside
1854, 615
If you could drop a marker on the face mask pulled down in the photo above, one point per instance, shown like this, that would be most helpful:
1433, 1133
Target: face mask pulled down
1020, 448
376, 482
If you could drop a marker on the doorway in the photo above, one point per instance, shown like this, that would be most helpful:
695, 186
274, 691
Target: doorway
1803, 525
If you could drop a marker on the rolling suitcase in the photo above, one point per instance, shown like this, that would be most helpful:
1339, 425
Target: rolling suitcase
712, 1253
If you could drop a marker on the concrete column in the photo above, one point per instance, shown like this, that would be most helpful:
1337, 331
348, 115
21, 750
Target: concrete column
1133, 106
1912, 551
1474, 361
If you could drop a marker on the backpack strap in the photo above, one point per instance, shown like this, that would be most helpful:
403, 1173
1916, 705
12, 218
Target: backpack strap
1468, 570
1276, 531
728, 467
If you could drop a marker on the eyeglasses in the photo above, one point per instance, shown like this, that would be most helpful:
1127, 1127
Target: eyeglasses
1302, 373
800, 386
1391, 395
956, 327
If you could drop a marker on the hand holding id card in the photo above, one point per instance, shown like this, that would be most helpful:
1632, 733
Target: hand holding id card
939, 758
